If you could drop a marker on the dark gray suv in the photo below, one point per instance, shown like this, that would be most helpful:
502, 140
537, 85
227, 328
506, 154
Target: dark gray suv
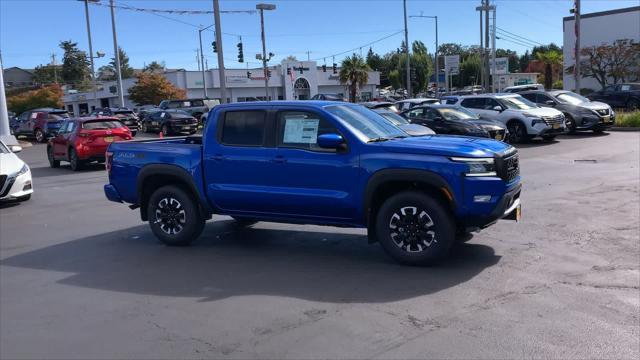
580, 112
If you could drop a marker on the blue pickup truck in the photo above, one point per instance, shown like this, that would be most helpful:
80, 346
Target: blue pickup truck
319, 162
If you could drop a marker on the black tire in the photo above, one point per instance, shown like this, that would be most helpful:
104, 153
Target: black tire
52, 162
145, 129
242, 221
133, 133
165, 130
548, 137
517, 132
76, 164
428, 230
570, 123
40, 136
174, 216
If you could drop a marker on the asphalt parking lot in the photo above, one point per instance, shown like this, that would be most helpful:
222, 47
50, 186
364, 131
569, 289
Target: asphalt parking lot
81, 277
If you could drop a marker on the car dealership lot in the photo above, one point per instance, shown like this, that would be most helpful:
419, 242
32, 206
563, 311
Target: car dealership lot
81, 277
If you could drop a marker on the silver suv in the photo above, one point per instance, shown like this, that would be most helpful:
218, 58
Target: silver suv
524, 119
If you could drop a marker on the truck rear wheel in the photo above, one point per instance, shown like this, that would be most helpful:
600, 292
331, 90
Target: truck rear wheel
414, 228
174, 216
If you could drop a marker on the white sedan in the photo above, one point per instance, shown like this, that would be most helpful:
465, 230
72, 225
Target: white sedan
15, 175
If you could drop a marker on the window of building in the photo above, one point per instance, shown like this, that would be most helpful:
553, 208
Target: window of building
244, 128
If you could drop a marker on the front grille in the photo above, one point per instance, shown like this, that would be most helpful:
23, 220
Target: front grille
603, 112
550, 120
509, 167
7, 186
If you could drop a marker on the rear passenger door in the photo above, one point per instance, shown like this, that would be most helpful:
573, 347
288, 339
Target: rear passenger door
239, 164
309, 180
477, 105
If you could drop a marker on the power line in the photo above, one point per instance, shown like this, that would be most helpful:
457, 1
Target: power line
515, 42
177, 12
515, 39
364, 45
522, 37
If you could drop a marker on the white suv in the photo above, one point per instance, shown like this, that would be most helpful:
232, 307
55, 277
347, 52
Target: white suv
524, 119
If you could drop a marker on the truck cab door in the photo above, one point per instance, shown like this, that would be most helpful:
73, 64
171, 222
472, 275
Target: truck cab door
312, 181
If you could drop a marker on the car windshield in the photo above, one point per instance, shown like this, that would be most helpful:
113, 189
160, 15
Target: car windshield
102, 125
394, 118
127, 112
459, 113
367, 123
3, 149
58, 116
571, 98
517, 103
178, 114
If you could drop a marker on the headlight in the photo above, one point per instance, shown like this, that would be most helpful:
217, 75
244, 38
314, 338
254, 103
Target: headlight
24, 170
478, 166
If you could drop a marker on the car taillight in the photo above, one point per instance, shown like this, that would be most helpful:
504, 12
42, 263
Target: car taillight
108, 160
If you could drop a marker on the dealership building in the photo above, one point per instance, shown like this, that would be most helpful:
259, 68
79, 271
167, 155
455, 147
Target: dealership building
597, 29
289, 81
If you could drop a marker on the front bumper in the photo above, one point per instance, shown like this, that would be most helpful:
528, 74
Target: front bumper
183, 128
15, 187
593, 122
112, 193
506, 207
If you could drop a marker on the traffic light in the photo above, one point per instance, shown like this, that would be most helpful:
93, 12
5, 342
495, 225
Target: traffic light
335, 68
269, 73
288, 71
249, 74
324, 68
240, 53
215, 46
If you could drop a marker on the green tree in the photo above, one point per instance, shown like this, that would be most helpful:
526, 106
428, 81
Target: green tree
75, 65
47, 96
523, 61
618, 61
375, 61
394, 79
46, 74
470, 69
152, 88
551, 59
512, 56
451, 49
354, 73
154, 67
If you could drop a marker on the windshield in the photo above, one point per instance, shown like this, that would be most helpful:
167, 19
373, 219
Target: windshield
102, 124
124, 112
517, 103
571, 98
457, 114
3, 149
365, 122
394, 118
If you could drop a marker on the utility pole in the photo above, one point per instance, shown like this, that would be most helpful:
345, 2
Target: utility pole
117, 54
223, 80
262, 8
493, 51
479, 9
93, 69
309, 54
486, 43
5, 133
198, 57
201, 62
576, 67
55, 69
406, 44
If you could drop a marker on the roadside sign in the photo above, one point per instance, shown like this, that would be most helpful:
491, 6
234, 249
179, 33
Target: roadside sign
452, 64
502, 66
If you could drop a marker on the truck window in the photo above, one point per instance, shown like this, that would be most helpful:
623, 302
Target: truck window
244, 128
300, 130
473, 103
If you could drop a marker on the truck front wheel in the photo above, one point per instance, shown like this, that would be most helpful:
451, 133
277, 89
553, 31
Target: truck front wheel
414, 228
174, 216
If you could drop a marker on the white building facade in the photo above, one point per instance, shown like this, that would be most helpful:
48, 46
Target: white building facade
597, 29
297, 80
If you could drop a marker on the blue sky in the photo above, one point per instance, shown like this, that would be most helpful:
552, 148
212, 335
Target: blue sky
30, 30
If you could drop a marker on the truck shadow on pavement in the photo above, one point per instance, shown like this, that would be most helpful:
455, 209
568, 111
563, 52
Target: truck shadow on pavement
327, 266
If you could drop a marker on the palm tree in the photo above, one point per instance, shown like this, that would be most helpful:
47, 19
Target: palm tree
353, 72
551, 59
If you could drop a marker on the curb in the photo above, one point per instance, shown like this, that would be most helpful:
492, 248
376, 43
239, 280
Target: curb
617, 128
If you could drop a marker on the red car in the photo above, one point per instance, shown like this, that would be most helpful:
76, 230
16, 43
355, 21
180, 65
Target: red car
84, 140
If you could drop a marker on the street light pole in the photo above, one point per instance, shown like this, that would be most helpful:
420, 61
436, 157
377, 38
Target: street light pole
223, 80
117, 54
204, 82
93, 69
263, 7
406, 43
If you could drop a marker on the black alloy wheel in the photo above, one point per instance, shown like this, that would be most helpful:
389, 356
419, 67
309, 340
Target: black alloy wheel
76, 164
517, 131
40, 136
52, 161
174, 216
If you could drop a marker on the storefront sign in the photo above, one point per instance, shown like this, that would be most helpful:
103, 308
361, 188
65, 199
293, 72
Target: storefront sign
502, 66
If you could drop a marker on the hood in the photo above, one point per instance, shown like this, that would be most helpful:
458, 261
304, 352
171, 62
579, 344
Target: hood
416, 130
10, 164
542, 111
446, 145
593, 105
488, 124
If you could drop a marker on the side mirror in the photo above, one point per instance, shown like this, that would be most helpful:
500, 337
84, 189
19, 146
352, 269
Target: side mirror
15, 148
330, 141
550, 102
497, 108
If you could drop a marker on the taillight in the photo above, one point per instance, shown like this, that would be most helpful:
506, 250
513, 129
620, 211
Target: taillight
108, 159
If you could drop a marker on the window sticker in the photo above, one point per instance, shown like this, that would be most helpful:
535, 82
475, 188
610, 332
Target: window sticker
300, 130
